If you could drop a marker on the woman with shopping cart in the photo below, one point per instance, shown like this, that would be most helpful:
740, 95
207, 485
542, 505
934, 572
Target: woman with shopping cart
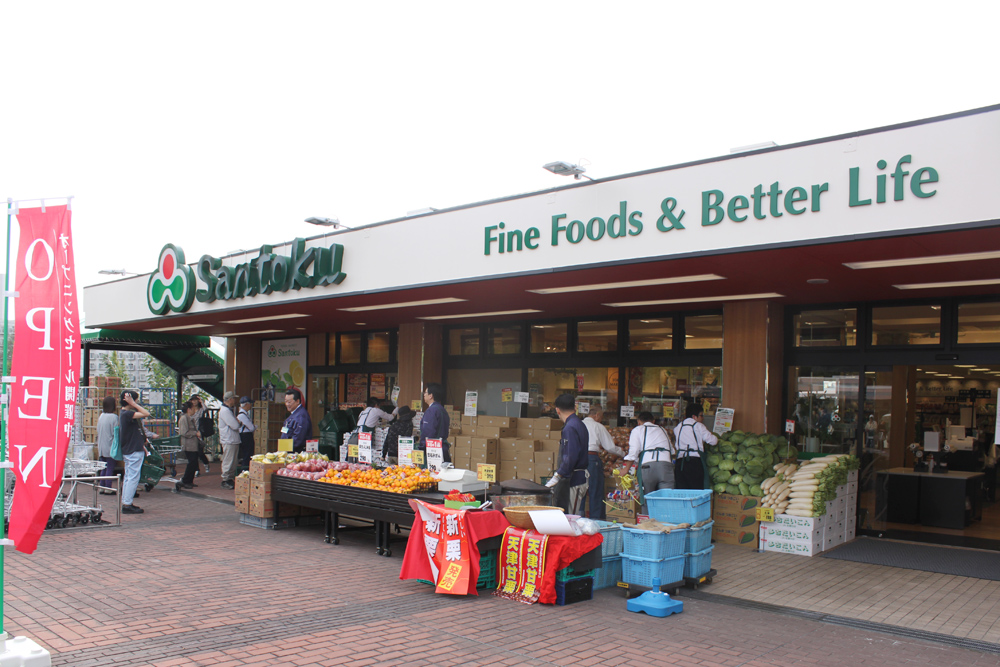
187, 429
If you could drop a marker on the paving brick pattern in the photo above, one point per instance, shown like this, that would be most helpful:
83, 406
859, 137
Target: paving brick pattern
186, 584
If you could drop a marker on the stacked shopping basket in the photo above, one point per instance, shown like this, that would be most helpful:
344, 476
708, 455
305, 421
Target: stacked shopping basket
681, 553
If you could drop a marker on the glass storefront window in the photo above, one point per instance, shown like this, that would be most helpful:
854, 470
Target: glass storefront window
591, 385
350, 348
826, 328
978, 323
503, 340
548, 338
490, 384
651, 334
906, 325
823, 402
666, 390
463, 341
378, 347
597, 336
703, 332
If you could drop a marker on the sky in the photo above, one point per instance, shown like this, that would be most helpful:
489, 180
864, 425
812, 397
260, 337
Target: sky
220, 126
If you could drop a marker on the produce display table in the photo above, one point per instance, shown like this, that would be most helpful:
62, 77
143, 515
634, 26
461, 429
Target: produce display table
930, 499
382, 508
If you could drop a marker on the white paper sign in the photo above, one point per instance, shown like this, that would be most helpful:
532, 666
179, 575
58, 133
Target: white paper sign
435, 454
551, 522
471, 403
312, 445
364, 447
405, 449
724, 420
394, 396
583, 408
155, 397
522, 397
628, 411
343, 452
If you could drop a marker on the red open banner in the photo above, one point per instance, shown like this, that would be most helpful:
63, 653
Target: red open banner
45, 364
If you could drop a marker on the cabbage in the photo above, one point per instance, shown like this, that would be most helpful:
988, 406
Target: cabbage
713, 459
720, 476
726, 465
732, 490
719, 488
736, 479
737, 437
728, 457
751, 440
755, 490
725, 436
744, 489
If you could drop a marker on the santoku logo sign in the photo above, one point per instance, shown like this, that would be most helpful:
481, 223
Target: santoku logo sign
171, 287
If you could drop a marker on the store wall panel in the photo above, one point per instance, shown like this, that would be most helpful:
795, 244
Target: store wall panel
420, 356
247, 364
751, 347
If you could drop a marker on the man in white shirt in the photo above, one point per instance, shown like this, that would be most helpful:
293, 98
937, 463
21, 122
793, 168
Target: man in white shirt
599, 437
649, 449
370, 416
229, 438
691, 436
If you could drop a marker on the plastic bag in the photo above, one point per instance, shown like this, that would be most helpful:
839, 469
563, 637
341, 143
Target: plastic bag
587, 526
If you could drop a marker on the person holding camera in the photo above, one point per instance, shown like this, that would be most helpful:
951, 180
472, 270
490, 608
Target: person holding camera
133, 443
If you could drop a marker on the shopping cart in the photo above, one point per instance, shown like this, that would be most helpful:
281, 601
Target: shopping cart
169, 449
66, 511
152, 469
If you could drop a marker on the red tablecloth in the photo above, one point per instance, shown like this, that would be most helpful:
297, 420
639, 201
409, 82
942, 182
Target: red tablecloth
478, 526
561, 551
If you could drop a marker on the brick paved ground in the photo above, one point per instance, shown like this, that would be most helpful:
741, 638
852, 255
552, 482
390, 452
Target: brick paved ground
186, 584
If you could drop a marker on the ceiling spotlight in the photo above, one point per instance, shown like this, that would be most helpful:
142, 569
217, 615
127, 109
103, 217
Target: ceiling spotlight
328, 222
817, 281
566, 169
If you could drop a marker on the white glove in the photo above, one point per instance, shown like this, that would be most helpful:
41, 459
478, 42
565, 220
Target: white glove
553, 481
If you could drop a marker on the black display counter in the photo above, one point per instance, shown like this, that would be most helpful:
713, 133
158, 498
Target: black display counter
942, 500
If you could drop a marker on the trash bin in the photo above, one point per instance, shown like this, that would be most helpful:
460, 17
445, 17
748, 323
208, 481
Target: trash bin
332, 428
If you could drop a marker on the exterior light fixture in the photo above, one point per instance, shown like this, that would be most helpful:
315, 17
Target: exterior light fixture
117, 272
566, 169
327, 222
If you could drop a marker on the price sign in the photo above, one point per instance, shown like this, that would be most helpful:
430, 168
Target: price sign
668, 411
435, 454
579, 381
789, 426
628, 411
343, 452
765, 514
583, 408
486, 472
285, 444
418, 457
365, 447
312, 445
352, 451
415, 405
506, 395
394, 396
405, 451
724, 420
471, 403
522, 397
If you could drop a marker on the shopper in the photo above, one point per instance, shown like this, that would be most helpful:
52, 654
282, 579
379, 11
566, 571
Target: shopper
229, 439
133, 444
598, 438
298, 425
691, 437
649, 449
569, 483
370, 416
435, 423
247, 428
401, 426
106, 424
187, 428
205, 429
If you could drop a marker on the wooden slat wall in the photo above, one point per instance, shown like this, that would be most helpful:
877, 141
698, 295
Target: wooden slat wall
420, 359
247, 364
752, 365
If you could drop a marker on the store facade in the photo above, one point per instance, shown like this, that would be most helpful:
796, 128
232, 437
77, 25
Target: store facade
819, 283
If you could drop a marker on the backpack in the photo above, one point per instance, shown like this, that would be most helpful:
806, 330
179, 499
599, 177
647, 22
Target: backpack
206, 426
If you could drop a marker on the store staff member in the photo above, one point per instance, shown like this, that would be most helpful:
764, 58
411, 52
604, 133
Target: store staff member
298, 426
691, 436
598, 438
368, 419
569, 483
435, 424
649, 448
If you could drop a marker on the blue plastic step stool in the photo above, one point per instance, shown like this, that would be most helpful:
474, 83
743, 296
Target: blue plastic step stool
655, 603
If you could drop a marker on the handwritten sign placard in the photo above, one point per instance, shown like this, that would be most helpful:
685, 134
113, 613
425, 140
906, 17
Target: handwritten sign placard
365, 447
486, 472
405, 451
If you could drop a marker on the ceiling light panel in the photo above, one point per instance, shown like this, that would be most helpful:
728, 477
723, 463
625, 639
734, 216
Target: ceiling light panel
183, 328
696, 299
464, 315
957, 283
918, 261
625, 285
403, 304
269, 318
253, 333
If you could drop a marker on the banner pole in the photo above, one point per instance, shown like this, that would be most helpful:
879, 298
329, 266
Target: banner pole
3, 420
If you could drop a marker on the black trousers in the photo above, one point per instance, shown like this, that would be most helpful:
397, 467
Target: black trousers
201, 455
688, 473
246, 449
192, 466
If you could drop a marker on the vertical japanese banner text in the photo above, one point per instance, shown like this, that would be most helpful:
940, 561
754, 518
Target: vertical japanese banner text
45, 362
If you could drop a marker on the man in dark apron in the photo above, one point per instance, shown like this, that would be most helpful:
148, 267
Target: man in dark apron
650, 450
691, 436
569, 483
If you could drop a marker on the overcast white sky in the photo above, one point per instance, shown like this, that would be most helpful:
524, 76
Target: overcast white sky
222, 125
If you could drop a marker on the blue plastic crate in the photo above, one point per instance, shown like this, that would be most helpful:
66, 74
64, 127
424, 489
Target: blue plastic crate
642, 571
697, 564
612, 545
610, 573
699, 538
679, 505
650, 544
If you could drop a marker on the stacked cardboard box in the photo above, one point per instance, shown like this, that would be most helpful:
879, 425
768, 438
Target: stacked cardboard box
735, 520
803, 536
268, 418
257, 492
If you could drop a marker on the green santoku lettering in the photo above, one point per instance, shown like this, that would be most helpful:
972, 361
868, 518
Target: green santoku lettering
715, 208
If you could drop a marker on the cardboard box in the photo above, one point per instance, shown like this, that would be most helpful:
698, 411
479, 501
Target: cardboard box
242, 486
462, 441
483, 443
462, 460
810, 523
622, 511
243, 504
546, 424
265, 509
526, 445
731, 503
852, 476
833, 534
736, 519
545, 445
508, 454
744, 537
804, 535
260, 488
504, 422
852, 487
786, 547
851, 505
469, 421
494, 432
544, 462
482, 456
525, 470
260, 471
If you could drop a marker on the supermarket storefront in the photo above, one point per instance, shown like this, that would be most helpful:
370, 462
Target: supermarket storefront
814, 282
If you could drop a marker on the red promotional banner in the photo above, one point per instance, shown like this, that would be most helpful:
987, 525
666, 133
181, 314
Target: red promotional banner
45, 366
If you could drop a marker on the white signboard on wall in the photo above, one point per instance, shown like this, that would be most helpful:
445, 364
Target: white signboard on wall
283, 364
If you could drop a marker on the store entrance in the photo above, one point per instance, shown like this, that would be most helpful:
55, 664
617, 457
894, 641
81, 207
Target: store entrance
946, 416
